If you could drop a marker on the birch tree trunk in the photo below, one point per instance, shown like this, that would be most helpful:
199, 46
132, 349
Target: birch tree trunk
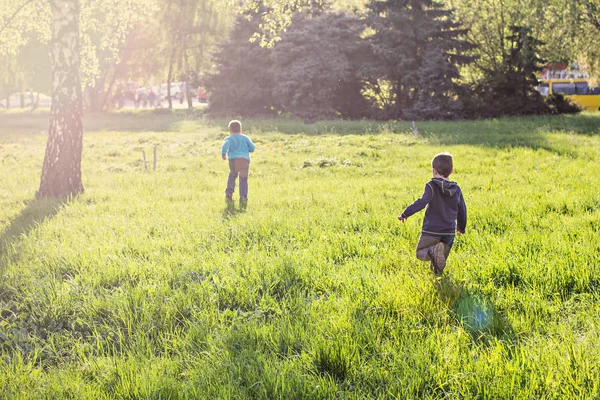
170, 77
61, 173
188, 92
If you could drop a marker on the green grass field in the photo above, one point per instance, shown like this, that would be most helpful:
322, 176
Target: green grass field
147, 287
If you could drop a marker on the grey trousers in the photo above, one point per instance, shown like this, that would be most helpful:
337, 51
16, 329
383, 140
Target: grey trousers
426, 241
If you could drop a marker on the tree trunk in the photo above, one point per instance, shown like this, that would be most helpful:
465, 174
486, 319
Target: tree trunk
187, 77
61, 173
109, 99
170, 77
188, 95
21, 95
8, 85
92, 99
401, 101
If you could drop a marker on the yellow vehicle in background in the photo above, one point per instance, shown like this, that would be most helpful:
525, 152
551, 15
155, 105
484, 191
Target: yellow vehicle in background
573, 86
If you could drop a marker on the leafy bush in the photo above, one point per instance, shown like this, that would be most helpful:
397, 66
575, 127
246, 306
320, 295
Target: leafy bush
242, 84
558, 104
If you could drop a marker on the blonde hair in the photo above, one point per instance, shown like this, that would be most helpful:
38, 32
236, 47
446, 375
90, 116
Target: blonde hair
235, 126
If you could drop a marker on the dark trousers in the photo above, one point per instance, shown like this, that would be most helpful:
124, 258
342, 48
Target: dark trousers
426, 241
241, 167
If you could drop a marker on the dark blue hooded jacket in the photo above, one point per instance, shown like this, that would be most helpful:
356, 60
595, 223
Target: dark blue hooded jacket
446, 210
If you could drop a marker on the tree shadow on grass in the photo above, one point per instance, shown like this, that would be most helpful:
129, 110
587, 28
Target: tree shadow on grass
36, 212
513, 131
533, 132
516, 132
456, 132
160, 120
474, 311
524, 132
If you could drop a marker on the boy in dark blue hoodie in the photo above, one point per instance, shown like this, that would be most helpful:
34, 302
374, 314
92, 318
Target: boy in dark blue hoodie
445, 216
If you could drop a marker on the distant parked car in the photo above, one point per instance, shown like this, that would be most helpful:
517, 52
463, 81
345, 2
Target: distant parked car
176, 88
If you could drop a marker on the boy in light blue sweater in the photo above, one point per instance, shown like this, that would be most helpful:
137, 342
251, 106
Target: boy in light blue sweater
237, 147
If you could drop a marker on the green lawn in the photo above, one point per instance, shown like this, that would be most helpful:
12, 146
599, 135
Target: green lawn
147, 287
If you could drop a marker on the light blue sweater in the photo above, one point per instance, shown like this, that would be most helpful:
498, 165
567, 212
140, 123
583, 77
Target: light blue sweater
238, 146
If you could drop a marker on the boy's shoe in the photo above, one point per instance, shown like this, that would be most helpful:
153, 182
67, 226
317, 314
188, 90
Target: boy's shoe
243, 202
437, 254
229, 198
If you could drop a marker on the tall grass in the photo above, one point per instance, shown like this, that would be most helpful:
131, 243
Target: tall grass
147, 286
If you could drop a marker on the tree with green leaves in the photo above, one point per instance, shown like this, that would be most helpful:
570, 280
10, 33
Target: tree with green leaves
242, 82
589, 38
315, 67
105, 27
568, 29
24, 29
417, 49
592, 10
189, 30
276, 16
523, 61
510, 88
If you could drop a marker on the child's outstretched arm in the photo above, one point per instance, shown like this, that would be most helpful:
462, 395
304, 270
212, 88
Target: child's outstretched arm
251, 146
225, 149
419, 204
461, 218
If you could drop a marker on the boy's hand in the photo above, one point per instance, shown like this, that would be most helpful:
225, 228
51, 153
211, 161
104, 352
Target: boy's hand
459, 233
224, 156
401, 218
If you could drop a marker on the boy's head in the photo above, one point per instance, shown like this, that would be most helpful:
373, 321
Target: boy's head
235, 126
442, 164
